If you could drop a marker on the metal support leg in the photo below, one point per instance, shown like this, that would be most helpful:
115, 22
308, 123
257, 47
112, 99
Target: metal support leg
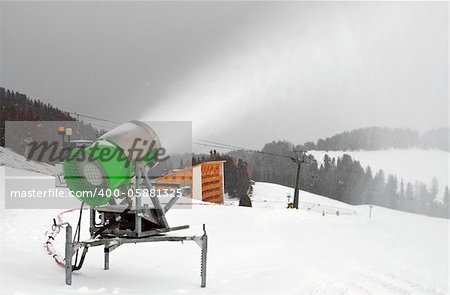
106, 258
203, 262
137, 200
92, 228
69, 254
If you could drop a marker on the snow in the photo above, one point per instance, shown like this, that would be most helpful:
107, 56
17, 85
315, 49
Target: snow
269, 195
262, 250
266, 249
410, 164
11, 159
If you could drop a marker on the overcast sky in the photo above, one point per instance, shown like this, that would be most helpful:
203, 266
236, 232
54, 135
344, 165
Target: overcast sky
244, 73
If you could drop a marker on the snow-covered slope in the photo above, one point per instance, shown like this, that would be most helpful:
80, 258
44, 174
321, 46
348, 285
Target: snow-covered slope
11, 159
251, 251
410, 164
270, 195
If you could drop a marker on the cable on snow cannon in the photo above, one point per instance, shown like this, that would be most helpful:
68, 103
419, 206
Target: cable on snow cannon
109, 176
51, 236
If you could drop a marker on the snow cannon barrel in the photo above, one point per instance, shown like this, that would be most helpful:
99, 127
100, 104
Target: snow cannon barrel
97, 172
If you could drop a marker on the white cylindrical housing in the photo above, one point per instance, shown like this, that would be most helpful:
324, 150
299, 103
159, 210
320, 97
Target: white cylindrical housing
131, 132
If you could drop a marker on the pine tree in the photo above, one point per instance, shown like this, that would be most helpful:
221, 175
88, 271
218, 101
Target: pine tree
401, 196
446, 201
378, 188
368, 187
391, 198
409, 197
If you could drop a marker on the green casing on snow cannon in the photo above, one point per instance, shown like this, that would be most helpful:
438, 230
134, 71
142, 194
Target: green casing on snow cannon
94, 173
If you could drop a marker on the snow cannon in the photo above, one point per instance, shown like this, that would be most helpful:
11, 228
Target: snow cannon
111, 175
104, 169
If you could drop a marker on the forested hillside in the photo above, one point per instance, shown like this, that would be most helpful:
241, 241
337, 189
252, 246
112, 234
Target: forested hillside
344, 179
377, 138
15, 106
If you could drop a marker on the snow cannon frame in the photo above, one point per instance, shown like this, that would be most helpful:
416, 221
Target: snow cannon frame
129, 221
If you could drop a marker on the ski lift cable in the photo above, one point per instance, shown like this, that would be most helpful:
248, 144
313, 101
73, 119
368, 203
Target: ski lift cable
101, 125
225, 146
222, 144
199, 141
95, 118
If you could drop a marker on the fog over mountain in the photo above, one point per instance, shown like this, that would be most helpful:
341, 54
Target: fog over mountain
292, 70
